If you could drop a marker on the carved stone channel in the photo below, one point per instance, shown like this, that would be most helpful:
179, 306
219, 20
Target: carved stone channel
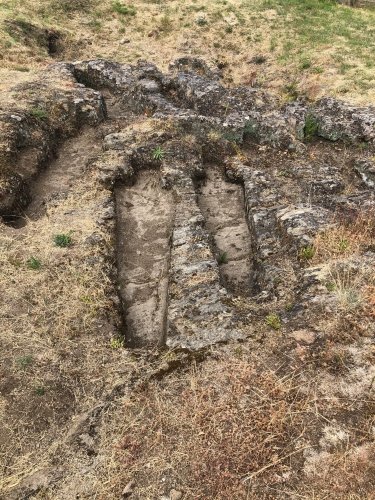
144, 225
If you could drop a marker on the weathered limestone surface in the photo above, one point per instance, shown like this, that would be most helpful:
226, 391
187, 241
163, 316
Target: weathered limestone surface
191, 119
33, 116
337, 120
197, 315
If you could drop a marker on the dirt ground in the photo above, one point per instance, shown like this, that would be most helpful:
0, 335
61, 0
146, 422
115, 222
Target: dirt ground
92, 403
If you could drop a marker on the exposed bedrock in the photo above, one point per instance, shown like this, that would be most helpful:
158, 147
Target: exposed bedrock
222, 205
197, 314
33, 117
200, 221
144, 225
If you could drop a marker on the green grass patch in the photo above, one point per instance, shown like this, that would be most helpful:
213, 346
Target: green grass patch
33, 263
122, 9
23, 362
40, 114
63, 240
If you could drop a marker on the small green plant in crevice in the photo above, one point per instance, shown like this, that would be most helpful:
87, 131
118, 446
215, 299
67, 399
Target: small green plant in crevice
121, 9
22, 69
222, 258
331, 287
40, 114
23, 362
33, 263
307, 252
158, 153
311, 127
63, 240
284, 173
274, 321
39, 390
277, 280
229, 29
288, 306
116, 343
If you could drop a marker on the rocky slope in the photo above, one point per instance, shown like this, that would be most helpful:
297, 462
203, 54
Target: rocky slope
286, 251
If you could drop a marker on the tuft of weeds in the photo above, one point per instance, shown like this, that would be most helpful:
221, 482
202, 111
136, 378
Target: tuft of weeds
305, 64
23, 362
63, 240
307, 252
40, 114
331, 287
259, 59
291, 90
33, 263
22, 69
202, 21
222, 258
274, 321
39, 390
116, 343
284, 173
311, 127
158, 153
121, 9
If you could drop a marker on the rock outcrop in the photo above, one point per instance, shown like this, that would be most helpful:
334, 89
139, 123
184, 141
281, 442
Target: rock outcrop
179, 122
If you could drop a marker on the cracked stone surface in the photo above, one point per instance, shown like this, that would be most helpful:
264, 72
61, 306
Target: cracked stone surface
162, 207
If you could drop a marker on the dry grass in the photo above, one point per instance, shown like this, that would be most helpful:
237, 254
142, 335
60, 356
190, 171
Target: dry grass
233, 428
53, 322
252, 40
42, 293
215, 431
346, 252
353, 234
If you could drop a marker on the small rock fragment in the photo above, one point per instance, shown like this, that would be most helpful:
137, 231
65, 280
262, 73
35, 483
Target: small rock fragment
303, 336
128, 490
175, 495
